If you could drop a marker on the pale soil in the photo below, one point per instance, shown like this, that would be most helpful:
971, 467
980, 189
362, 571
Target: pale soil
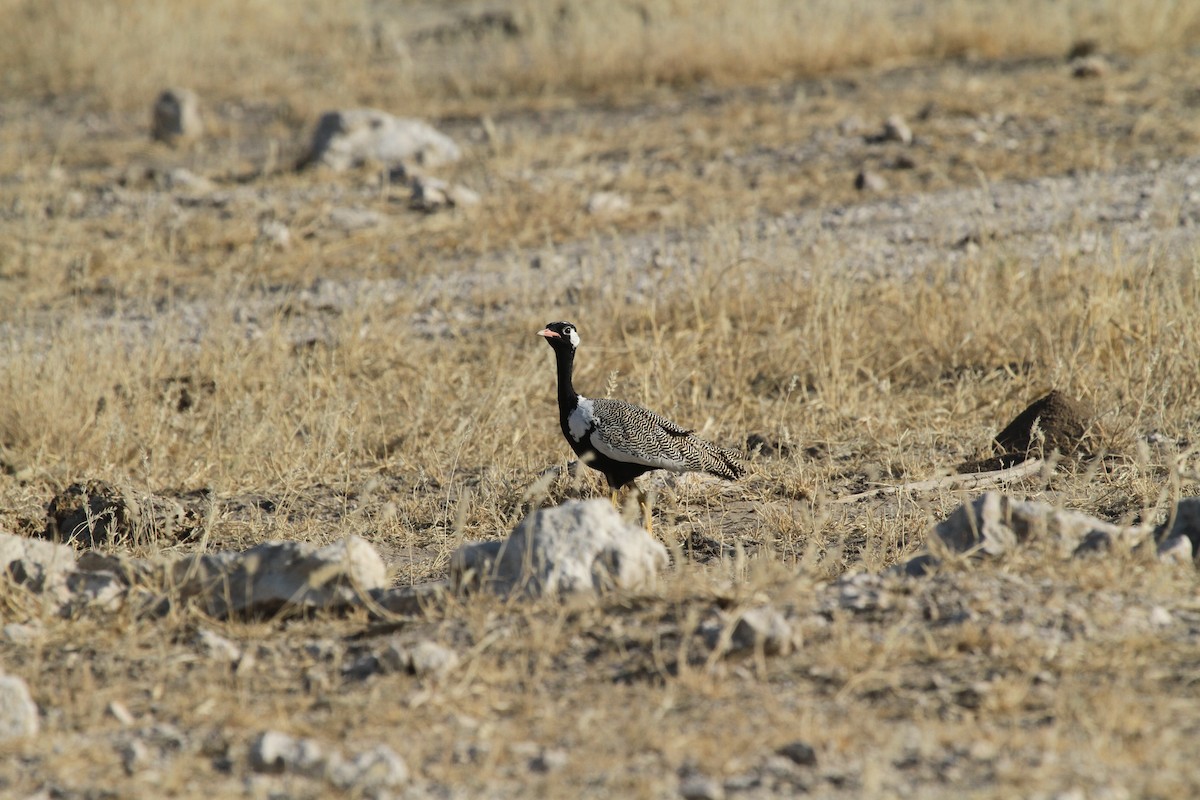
1033, 676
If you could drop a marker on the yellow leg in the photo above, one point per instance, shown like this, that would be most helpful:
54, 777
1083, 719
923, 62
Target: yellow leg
644, 503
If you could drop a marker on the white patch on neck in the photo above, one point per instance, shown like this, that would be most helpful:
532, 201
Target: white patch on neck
574, 338
581, 419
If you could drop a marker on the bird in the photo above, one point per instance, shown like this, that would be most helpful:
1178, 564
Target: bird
622, 440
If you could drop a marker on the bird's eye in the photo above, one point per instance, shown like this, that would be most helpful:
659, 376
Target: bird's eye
568, 330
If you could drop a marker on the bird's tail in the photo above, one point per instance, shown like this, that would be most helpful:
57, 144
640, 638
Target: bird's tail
719, 461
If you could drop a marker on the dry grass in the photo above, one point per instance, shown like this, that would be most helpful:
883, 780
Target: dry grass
120, 53
388, 383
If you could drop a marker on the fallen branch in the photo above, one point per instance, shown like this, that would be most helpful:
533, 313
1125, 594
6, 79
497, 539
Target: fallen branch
971, 480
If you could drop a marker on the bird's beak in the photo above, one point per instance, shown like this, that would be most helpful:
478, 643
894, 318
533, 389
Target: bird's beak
549, 334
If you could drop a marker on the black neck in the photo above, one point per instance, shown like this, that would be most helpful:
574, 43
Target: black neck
567, 397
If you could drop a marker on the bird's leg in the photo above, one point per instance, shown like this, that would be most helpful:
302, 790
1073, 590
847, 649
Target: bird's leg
644, 503
612, 495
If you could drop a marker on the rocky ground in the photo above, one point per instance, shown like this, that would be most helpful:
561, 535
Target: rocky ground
239, 351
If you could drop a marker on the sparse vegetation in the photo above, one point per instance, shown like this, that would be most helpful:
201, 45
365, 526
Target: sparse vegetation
387, 381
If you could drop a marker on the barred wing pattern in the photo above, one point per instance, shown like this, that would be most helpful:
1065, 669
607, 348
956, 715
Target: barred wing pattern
632, 434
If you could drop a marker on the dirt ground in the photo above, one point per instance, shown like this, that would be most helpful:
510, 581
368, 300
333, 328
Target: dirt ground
1040, 230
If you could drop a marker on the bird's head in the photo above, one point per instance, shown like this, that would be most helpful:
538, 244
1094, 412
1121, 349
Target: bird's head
561, 335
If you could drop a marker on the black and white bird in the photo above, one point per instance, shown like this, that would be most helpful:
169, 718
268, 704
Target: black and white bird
622, 440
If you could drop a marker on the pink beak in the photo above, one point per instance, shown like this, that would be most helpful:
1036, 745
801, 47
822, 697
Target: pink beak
549, 334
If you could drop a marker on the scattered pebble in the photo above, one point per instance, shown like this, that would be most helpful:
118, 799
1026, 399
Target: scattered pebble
895, 129
18, 712
605, 203
274, 752
800, 753
701, 787
868, 181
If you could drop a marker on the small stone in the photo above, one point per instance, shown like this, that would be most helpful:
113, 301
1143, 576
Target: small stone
1089, 67
800, 753
275, 753
120, 713
605, 203
217, 647
102, 590
176, 115
701, 787
134, 755
762, 627
434, 194
895, 129
18, 712
353, 137
19, 633
1160, 617
369, 771
355, 219
181, 178
274, 233
430, 658
868, 181
549, 760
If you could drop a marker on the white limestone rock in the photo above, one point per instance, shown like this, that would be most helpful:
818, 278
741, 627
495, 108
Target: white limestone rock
379, 768
276, 753
994, 523
18, 712
431, 194
579, 547
895, 129
41, 567
278, 575
606, 203
353, 137
423, 658
765, 627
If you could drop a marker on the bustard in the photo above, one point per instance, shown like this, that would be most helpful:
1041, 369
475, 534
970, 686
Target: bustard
622, 440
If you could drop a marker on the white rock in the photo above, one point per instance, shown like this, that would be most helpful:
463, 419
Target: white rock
182, 178
40, 566
994, 523
603, 203
355, 219
350, 138
1175, 550
176, 115
100, 589
869, 181
433, 194
18, 712
120, 713
1160, 617
135, 756
274, 233
763, 627
22, 633
701, 787
217, 647
277, 752
369, 771
895, 129
279, 575
430, 658
578, 547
